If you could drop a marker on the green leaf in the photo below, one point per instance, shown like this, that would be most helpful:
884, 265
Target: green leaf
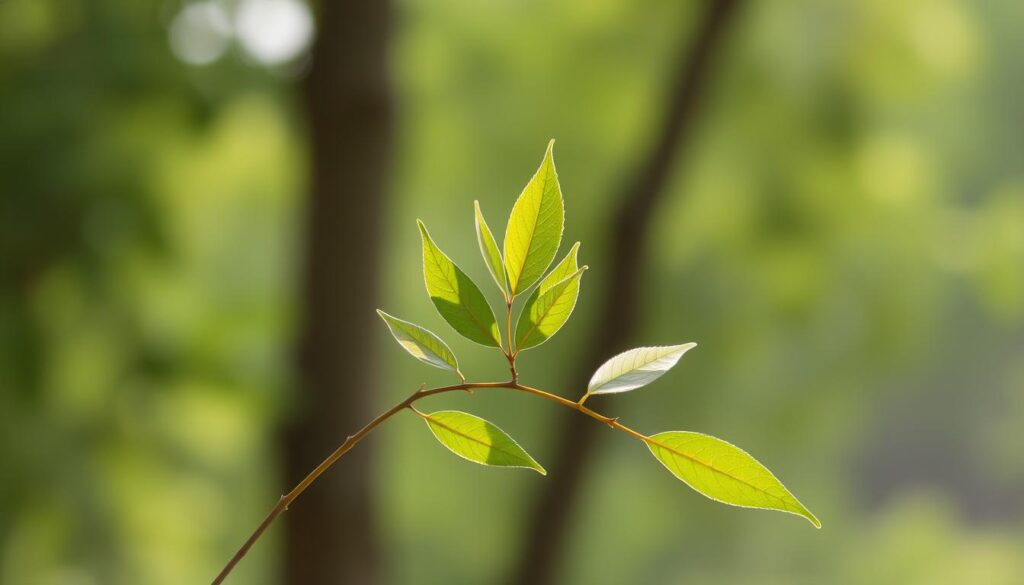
562, 270
635, 368
551, 304
724, 472
422, 344
477, 440
456, 296
535, 227
545, 313
489, 249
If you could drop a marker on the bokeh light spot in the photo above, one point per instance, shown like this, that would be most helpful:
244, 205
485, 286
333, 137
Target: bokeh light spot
200, 33
274, 31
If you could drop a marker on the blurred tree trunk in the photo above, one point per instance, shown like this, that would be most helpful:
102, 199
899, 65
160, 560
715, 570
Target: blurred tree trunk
330, 535
619, 316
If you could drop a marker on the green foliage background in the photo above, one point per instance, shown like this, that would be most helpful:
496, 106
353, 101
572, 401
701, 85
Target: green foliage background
843, 238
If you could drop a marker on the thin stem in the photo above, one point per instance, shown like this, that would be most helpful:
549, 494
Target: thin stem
352, 440
345, 447
511, 355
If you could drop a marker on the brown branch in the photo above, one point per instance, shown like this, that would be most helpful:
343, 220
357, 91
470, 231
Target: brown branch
545, 535
352, 440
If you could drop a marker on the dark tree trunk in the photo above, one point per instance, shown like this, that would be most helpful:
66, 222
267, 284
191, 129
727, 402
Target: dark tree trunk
330, 536
548, 526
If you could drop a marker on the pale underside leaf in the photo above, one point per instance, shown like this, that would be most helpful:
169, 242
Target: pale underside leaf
489, 249
457, 298
724, 472
534, 228
635, 368
547, 310
478, 440
421, 343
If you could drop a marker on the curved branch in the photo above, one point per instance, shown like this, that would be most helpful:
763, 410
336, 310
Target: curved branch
352, 440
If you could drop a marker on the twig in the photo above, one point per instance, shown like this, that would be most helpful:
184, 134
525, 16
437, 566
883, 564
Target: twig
352, 440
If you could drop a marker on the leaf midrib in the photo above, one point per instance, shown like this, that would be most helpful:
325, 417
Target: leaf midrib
700, 461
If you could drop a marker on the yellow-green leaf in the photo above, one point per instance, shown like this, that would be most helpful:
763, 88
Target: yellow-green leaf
478, 440
489, 249
534, 229
456, 296
422, 344
724, 472
562, 270
551, 304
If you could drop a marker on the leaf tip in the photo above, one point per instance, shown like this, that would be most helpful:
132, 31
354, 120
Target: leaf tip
811, 518
423, 229
574, 252
683, 348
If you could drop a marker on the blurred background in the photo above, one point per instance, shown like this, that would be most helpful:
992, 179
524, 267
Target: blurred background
201, 204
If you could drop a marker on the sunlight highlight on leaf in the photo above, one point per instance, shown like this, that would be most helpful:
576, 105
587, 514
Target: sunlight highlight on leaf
551, 304
535, 227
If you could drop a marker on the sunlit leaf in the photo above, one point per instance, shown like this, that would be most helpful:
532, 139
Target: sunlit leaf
478, 440
421, 344
456, 296
545, 313
489, 249
635, 368
550, 304
724, 472
562, 270
535, 227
